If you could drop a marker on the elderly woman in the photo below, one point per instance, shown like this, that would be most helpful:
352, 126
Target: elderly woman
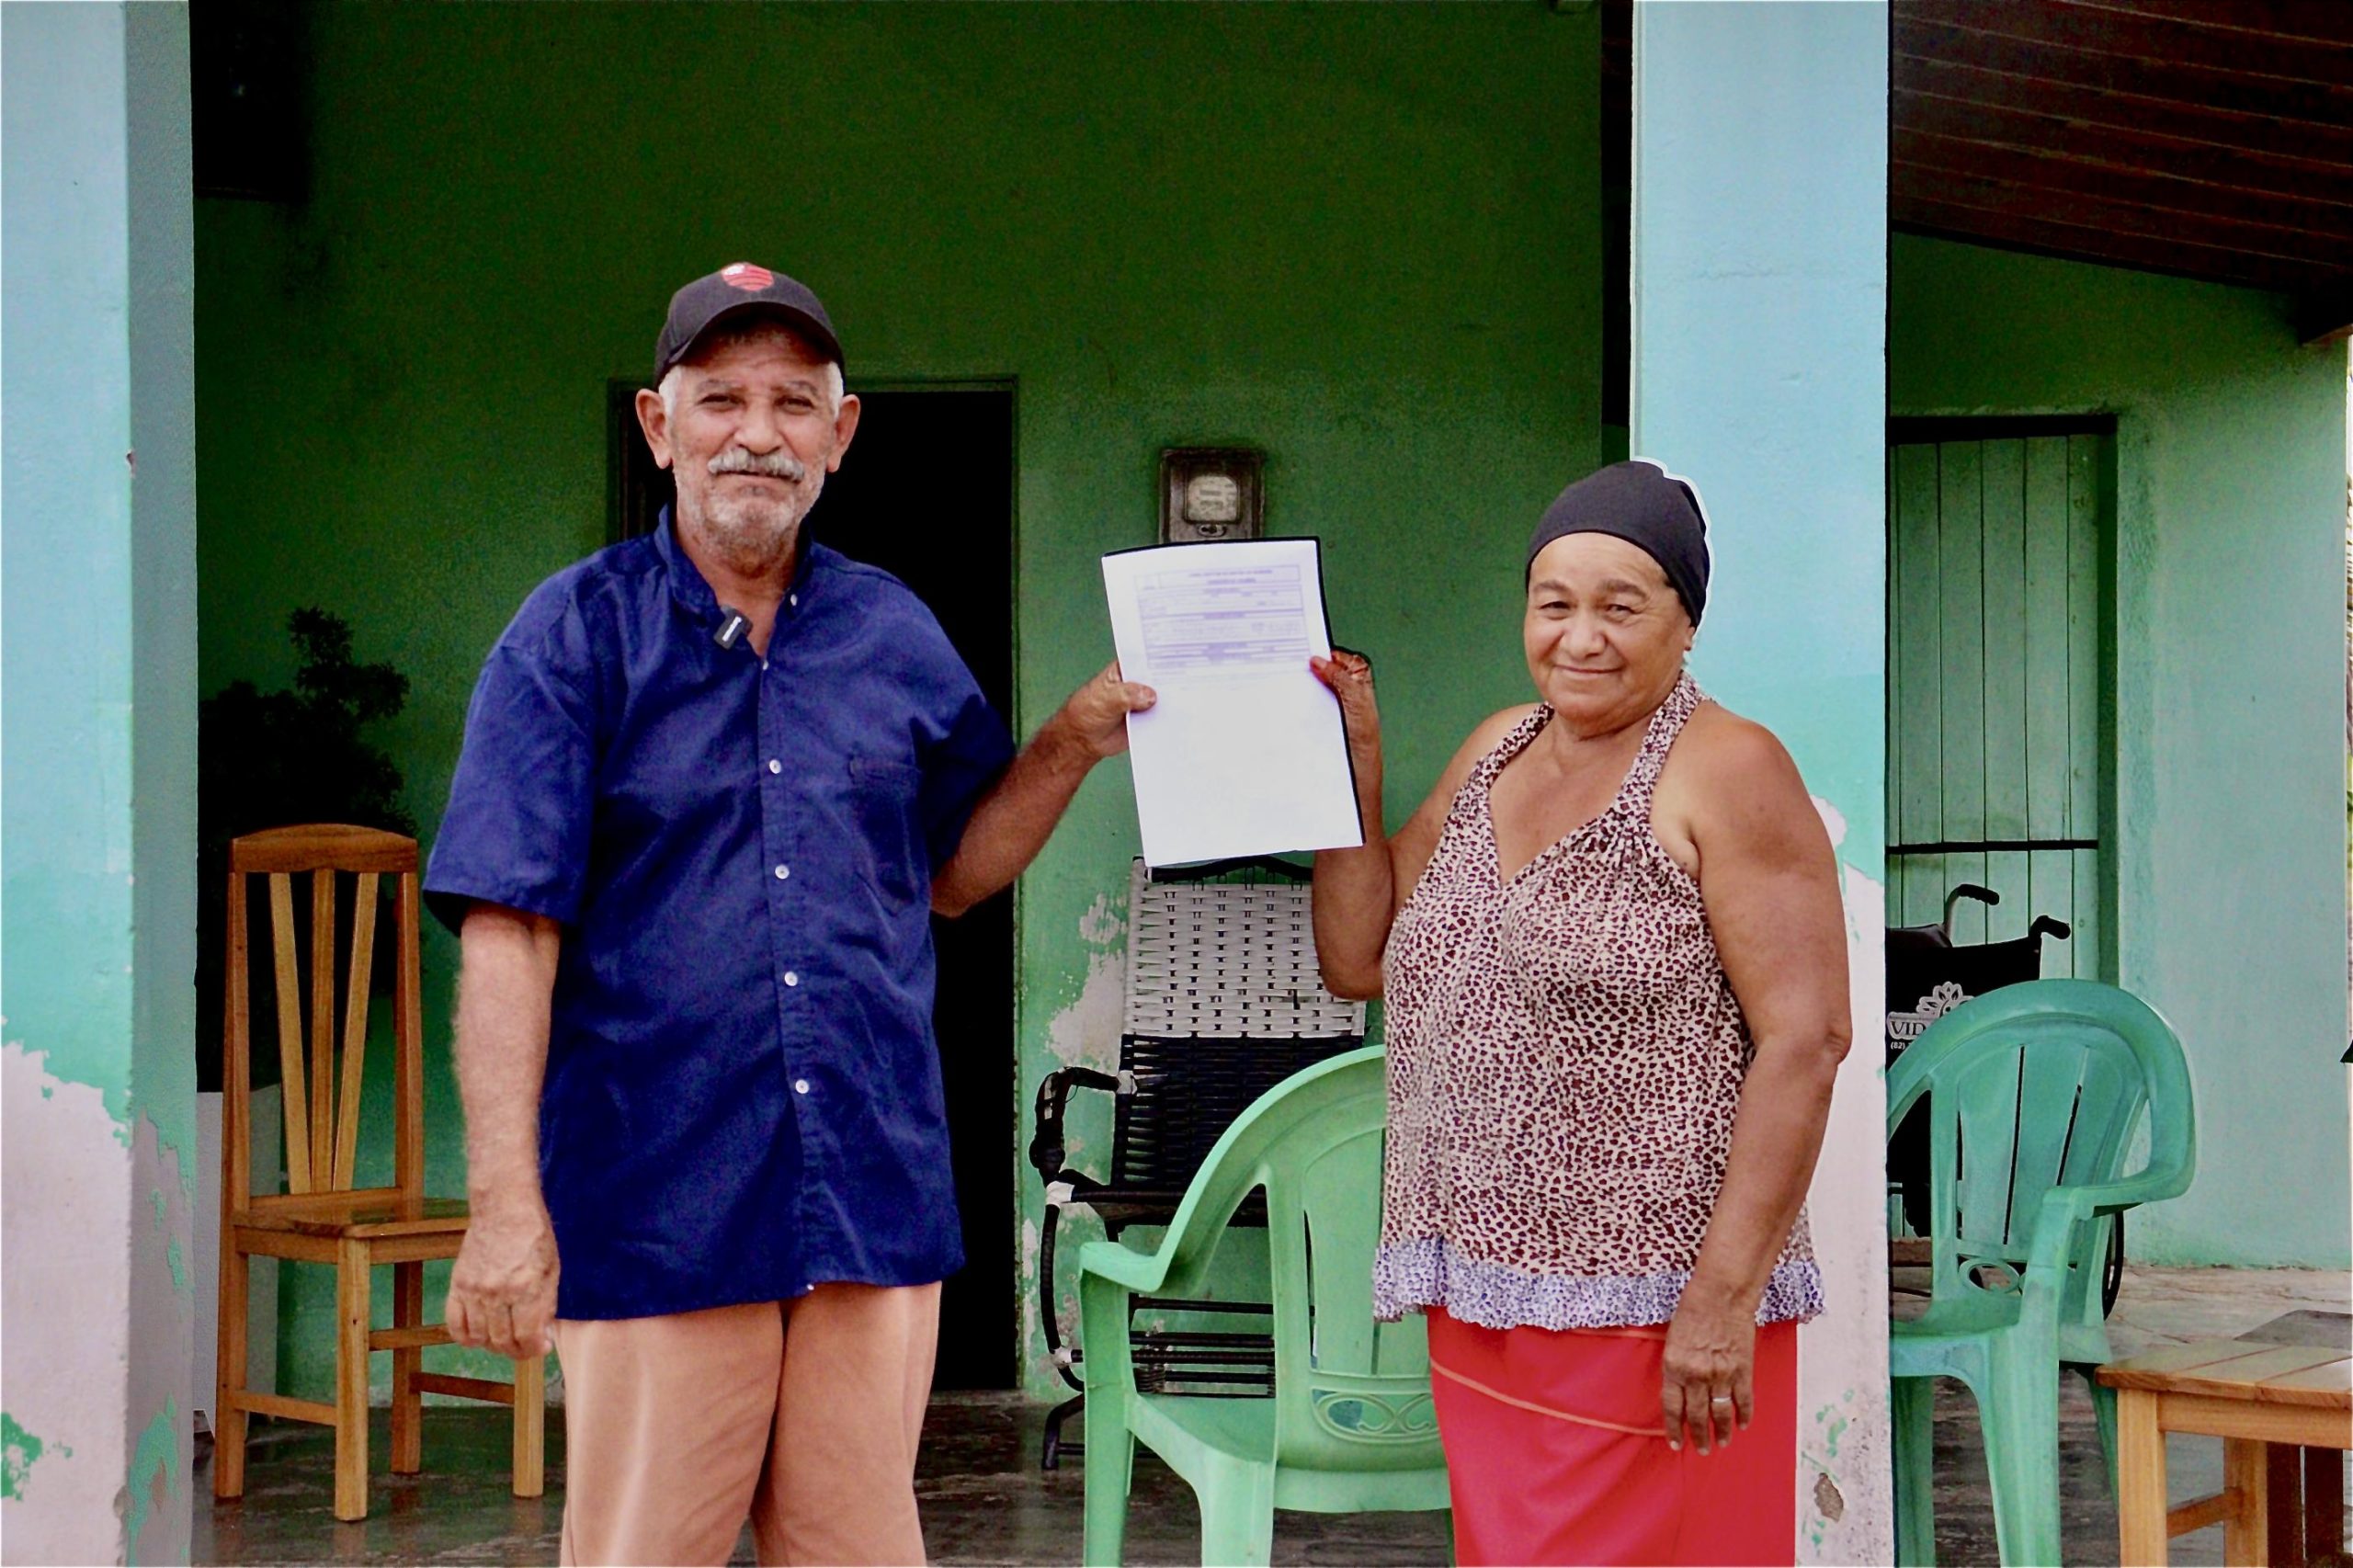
1615, 964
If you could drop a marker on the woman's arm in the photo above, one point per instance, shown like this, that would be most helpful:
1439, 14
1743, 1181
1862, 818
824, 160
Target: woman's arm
1769, 882
1359, 891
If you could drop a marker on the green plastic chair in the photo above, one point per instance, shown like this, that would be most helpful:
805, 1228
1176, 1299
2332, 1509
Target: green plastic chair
1350, 1428
2034, 1092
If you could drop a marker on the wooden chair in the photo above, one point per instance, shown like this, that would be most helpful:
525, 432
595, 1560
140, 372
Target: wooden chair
323, 1217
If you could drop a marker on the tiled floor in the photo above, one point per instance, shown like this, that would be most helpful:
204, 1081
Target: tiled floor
985, 1501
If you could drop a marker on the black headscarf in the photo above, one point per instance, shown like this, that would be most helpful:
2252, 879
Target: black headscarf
1649, 508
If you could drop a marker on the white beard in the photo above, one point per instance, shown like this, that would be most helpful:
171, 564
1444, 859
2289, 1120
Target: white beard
753, 534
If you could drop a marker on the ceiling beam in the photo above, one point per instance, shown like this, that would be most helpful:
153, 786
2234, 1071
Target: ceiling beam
2111, 182
1973, 187
1969, 81
2314, 179
2093, 28
2175, 80
1947, 217
2315, 21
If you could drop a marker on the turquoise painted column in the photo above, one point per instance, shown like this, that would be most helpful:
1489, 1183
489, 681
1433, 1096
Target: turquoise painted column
1759, 339
97, 843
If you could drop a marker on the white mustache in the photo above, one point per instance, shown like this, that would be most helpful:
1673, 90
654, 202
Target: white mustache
775, 465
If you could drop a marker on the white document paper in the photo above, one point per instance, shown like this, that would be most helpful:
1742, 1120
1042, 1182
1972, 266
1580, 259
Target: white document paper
1244, 753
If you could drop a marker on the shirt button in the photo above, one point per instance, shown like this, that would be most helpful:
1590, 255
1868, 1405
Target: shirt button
791, 979
775, 767
783, 872
800, 1085
795, 599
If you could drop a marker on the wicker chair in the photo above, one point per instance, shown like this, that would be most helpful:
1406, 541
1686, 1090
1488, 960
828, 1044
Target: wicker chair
1223, 1002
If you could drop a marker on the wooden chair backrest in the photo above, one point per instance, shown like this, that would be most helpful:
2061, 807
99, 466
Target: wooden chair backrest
321, 1115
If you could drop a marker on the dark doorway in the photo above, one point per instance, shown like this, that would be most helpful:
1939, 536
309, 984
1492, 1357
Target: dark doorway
927, 494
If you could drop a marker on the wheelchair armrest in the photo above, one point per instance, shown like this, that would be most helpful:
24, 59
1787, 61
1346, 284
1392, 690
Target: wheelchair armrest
1047, 1154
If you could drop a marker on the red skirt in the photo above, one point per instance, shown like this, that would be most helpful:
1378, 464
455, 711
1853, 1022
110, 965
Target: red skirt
1557, 1455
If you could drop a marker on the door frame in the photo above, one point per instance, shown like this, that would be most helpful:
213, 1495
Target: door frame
1934, 429
1011, 1197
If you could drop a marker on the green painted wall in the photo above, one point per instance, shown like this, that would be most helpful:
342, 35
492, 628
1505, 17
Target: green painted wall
1365, 238
2230, 680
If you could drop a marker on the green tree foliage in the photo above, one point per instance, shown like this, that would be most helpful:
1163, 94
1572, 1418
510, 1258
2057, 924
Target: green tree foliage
273, 759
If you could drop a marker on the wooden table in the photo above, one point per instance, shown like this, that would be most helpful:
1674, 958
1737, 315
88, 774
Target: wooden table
2307, 1493
2250, 1394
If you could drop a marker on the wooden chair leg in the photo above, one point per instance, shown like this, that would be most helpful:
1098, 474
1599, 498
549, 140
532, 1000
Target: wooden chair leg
408, 1404
2140, 1479
352, 1314
2246, 1534
229, 1384
530, 1426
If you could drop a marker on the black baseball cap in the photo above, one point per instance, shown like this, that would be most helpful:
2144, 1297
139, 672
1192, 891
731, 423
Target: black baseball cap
740, 286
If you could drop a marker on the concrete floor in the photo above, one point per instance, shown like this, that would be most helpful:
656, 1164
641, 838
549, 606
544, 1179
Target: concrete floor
985, 1499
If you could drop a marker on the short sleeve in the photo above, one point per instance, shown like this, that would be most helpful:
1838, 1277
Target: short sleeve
960, 769
516, 830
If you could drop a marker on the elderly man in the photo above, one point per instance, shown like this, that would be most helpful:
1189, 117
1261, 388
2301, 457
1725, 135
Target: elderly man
715, 783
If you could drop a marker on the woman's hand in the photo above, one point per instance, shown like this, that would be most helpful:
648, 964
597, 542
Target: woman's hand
1705, 1387
1349, 675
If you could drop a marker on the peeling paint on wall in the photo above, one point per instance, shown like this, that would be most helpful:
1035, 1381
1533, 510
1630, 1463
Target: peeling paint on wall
18, 1451
157, 1489
1102, 925
1846, 1502
65, 1178
1086, 1033
161, 1321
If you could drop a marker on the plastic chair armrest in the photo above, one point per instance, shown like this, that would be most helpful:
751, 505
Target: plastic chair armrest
2110, 1197
1123, 1265
2067, 1209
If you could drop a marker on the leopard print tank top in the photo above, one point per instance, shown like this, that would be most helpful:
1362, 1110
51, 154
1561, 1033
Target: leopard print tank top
1565, 1057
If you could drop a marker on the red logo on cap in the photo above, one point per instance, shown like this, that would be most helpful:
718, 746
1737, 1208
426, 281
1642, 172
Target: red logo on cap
748, 276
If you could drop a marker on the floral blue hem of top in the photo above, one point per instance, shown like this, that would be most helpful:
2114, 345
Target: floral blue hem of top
1430, 1272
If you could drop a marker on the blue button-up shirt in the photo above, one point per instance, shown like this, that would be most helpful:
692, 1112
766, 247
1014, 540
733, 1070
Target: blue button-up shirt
743, 1093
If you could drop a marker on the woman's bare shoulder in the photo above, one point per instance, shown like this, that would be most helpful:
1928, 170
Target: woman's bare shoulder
1492, 728
1484, 738
1721, 753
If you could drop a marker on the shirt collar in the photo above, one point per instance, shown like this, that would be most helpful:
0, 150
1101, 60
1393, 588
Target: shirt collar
692, 591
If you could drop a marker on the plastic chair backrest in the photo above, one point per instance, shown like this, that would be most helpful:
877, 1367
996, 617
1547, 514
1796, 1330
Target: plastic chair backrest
2033, 1089
1350, 1393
